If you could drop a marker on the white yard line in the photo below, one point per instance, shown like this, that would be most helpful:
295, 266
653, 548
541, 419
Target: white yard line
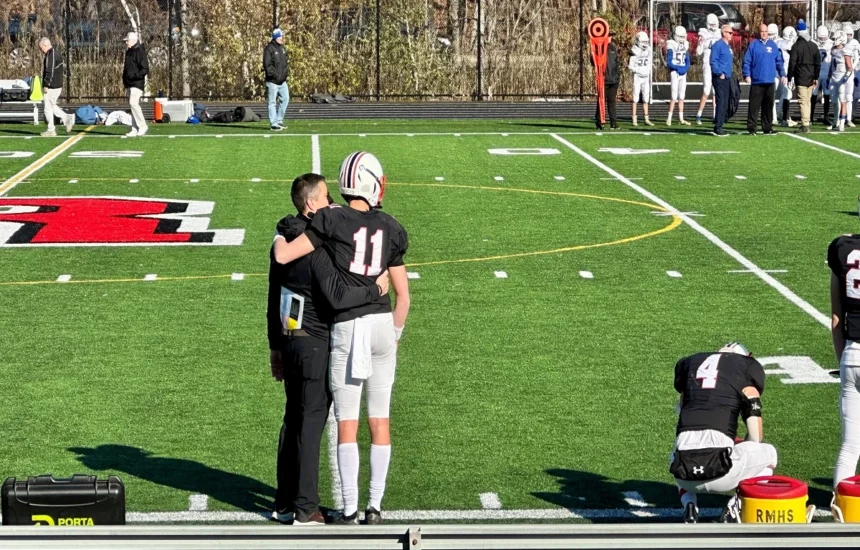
696, 226
825, 145
331, 435
316, 164
10, 183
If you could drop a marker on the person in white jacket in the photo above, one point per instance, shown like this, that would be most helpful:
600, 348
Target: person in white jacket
640, 64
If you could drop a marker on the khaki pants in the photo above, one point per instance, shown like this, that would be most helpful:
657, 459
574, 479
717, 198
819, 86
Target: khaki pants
804, 95
134, 95
52, 95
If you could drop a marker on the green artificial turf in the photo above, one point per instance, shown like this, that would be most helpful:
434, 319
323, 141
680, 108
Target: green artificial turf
544, 387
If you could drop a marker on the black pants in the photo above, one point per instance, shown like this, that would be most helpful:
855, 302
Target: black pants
722, 91
611, 93
761, 99
308, 401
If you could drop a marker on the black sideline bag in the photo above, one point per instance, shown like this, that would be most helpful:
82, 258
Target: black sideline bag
78, 501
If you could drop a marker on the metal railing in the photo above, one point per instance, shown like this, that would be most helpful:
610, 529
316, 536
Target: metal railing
437, 537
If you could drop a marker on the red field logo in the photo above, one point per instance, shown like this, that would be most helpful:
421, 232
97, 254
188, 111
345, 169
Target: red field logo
110, 221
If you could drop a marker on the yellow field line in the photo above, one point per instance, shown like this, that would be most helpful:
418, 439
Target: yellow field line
10, 183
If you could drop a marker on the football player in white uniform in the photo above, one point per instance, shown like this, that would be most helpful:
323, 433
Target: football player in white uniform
640, 64
707, 38
789, 37
823, 87
773, 34
678, 60
841, 71
852, 48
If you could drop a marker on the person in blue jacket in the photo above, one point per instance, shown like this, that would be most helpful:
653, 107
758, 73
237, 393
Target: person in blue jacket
678, 60
762, 64
721, 73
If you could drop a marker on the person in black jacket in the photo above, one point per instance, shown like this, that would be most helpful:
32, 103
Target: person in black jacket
611, 80
134, 73
276, 63
303, 298
52, 87
804, 66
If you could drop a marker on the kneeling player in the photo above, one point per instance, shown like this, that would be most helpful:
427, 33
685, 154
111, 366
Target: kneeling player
715, 388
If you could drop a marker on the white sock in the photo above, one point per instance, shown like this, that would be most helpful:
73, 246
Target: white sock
380, 456
699, 114
688, 497
347, 465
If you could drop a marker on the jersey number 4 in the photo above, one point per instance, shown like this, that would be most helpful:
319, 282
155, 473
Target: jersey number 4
357, 265
708, 371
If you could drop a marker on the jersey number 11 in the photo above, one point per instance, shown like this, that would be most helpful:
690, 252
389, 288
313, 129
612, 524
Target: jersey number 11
357, 265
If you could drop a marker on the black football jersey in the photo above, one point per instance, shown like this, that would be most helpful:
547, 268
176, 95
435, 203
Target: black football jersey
843, 258
711, 386
362, 245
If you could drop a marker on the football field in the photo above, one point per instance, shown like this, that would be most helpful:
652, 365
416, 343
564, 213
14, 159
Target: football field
557, 275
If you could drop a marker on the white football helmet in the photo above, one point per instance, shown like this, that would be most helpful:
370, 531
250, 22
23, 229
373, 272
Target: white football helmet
713, 21
789, 34
642, 39
735, 347
834, 26
680, 33
839, 39
823, 33
848, 29
772, 31
361, 177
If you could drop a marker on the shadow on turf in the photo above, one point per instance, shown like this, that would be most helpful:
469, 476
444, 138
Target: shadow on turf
589, 490
848, 213
236, 490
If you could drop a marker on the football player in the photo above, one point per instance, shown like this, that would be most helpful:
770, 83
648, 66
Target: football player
852, 47
842, 256
715, 389
678, 60
784, 91
841, 71
823, 87
363, 242
707, 38
640, 64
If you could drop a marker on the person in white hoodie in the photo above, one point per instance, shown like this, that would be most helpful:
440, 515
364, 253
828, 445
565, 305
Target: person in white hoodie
852, 49
640, 64
823, 88
784, 91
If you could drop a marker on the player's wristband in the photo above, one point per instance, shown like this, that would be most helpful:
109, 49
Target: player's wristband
398, 332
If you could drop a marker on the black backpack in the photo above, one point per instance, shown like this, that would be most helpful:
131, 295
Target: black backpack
223, 117
734, 97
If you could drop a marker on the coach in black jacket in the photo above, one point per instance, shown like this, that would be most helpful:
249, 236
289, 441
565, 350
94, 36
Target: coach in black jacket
134, 73
299, 352
804, 66
52, 87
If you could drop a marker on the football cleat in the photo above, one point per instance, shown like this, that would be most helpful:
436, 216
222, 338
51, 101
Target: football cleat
283, 517
347, 520
361, 177
372, 516
691, 513
648, 122
732, 512
684, 122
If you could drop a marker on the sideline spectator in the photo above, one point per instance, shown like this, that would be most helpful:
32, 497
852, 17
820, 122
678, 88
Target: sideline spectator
276, 63
134, 73
762, 64
804, 66
52, 84
722, 61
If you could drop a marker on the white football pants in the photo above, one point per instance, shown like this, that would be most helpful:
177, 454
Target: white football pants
749, 459
849, 408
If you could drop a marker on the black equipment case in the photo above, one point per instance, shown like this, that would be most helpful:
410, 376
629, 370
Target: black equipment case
78, 501
14, 94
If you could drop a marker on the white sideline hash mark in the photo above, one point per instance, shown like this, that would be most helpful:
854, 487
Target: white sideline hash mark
198, 503
501, 275
634, 498
439, 178
765, 270
255, 180
490, 501
412, 275
194, 180
73, 181
714, 152
800, 177
586, 274
499, 178
64, 278
150, 277
680, 178
134, 180
237, 277
559, 178
716, 241
674, 274
629, 151
740, 177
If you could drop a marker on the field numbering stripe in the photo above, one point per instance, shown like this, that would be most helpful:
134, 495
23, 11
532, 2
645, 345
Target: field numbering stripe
696, 226
315, 154
10, 183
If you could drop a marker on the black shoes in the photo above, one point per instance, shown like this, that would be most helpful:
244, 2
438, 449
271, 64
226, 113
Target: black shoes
691, 513
316, 518
720, 132
372, 516
347, 520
